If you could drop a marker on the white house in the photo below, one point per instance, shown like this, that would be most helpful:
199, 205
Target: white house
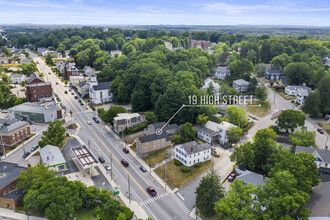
168, 45
191, 153
293, 90
99, 93
213, 132
52, 157
88, 70
4, 60
208, 82
221, 72
43, 51
74, 80
114, 52
301, 96
273, 74
25, 60
17, 78
60, 66
241, 85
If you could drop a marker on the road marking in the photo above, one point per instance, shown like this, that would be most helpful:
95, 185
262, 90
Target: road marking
180, 196
147, 201
122, 166
181, 204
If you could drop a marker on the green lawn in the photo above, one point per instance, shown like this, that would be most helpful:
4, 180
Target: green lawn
259, 108
83, 214
176, 178
156, 157
15, 65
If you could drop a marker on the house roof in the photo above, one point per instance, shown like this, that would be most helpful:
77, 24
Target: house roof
250, 177
154, 137
16, 75
222, 69
275, 115
102, 86
274, 71
297, 87
241, 82
42, 108
9, 125
303, 93
9, 172
192, 147
268, 66
208, 131
167, 127
208, 82
324, 155
13, 195
51, 155
214, 126
34, 77
126, 116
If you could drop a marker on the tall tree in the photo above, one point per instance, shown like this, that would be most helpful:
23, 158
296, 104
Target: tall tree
312, 104
291, 119
208, 192
202, 119
298, 73
303, 138
54, 135
237, 116
234, 133
187, 132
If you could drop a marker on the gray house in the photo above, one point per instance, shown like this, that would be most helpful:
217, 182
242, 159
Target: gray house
273, 74
241, 85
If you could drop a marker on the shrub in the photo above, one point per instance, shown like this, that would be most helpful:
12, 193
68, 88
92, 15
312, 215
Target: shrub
177, 163
67, 134
13, 147
127, 212
176, 139
185, 169
197, 165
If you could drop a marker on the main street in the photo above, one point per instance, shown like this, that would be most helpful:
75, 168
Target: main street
102, 142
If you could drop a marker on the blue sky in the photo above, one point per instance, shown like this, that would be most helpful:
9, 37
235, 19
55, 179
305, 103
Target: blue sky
154, 12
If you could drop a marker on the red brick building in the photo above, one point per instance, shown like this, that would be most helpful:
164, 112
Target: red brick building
37, 90
13, 132
70, 70
9, 193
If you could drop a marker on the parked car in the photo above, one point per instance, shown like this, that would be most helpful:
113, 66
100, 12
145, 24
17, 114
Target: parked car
35, 147
70, 89
107, 167
232, 177
89, 122
63, 106
81, 103
1, 153
152, 191
143, 169
101, 159
31, 122
72, 93
65, 92
49, 73
124, 162
125, 150
56, 83
320, 131
26, 154
76, 97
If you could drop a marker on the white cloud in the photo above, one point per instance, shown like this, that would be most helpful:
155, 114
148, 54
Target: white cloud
231, 8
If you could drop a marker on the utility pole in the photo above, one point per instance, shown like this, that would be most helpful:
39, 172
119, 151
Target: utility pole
111, 166
165, 176
129, 189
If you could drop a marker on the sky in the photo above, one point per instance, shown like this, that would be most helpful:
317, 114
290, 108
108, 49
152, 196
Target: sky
164, 12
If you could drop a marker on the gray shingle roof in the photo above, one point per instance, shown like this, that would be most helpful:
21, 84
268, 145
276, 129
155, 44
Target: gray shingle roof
167, 127
36, 107
222, 69
51, 154
241, 82
192, 147
9, 172
252, 177
13, 195
154, 137
274, 71
102, 86
208, 131
9, 125
324, 155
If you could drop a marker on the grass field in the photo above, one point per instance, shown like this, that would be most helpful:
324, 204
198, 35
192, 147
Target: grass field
72, 126
83, 214
324, 126
15, 65
259, 108
176, 178
156, 157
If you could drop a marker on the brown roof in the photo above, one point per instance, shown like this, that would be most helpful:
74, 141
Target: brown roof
275, 115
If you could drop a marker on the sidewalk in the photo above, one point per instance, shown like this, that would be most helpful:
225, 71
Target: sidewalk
11, 214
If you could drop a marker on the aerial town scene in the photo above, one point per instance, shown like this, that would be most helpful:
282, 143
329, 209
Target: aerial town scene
164, 110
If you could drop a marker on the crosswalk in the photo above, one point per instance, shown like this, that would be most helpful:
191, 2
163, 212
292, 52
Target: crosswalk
180, 203
154, 199
177, 200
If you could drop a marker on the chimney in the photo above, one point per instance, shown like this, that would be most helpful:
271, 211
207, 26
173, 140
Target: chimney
191, 149
326, 147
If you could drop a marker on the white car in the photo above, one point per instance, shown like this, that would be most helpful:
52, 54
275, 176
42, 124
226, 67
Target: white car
89, 122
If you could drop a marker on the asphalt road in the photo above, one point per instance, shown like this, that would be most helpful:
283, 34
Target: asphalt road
164, 206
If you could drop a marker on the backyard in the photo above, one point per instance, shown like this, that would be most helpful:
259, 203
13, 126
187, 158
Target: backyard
156, 157
175, 178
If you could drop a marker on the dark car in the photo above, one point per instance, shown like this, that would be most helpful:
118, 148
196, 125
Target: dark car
63, 107
124, 162
1, 153
65, 92
76, 97
96, 120
26, 154
101, 159
81, 103
320, 131
35, 147
125, 150
72, 93
143, 169
31, 122
232, 177
56, 83
152, 191
49, 73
